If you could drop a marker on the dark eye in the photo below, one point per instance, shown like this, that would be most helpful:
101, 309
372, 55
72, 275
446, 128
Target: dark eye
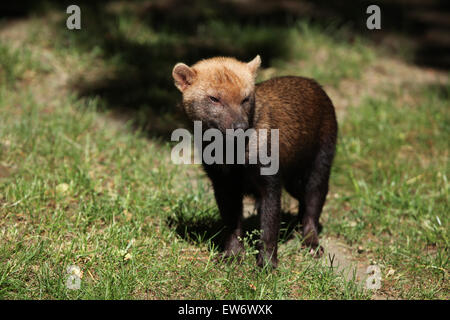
247, 99
214, 99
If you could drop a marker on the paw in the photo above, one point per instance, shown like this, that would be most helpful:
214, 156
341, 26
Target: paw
234, 250
230, 257
316, 252
265, 259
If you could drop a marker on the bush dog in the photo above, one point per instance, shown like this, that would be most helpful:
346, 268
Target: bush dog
221, 93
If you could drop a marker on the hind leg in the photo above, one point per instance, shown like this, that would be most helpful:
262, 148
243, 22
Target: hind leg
310, 188
313, 201
312, 198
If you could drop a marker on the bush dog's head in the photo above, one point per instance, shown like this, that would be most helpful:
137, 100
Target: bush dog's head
220, 91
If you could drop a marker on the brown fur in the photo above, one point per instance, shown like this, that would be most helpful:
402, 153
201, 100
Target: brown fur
225, 78
306, 120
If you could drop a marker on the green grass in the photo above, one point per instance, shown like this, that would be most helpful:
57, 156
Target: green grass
79, 187
391, 175
119, 197
15, 63
328, 58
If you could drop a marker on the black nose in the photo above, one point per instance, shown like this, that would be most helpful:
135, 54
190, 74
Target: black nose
240, 125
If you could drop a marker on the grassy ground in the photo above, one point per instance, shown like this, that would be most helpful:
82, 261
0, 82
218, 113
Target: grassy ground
86, 177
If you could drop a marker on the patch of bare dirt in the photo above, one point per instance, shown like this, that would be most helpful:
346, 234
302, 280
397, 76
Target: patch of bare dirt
379, 79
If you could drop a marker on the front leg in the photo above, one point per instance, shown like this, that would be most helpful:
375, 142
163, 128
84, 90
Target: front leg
269, 207
229, 199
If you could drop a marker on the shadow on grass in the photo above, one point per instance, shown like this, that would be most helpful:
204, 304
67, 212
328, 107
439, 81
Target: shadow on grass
209, 229
143, 40
441, 91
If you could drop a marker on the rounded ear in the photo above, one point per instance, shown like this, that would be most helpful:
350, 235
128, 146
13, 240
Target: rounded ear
183, 76
254, 64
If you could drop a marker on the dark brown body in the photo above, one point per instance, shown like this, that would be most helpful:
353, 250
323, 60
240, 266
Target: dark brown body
306, 120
